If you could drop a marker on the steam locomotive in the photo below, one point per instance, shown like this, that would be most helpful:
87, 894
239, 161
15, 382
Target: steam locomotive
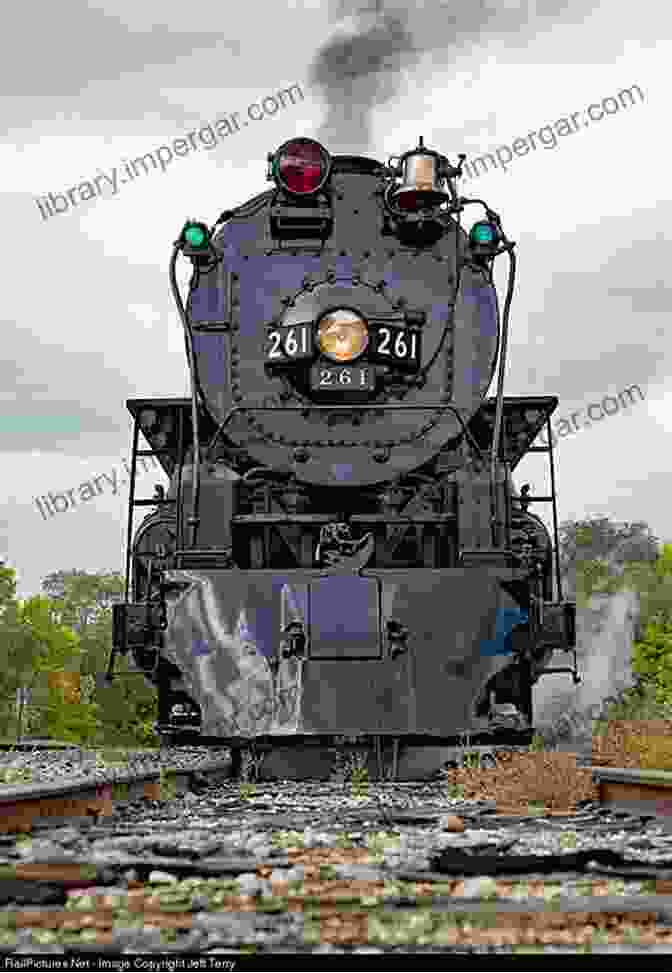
341, 554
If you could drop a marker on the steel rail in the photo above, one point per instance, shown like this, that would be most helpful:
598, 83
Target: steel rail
23, 802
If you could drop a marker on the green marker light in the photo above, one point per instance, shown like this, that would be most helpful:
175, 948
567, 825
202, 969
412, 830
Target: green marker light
483, 233
195, 235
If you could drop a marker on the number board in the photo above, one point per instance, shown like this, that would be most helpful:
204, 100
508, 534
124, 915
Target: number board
343, 380
289, 343
396, 346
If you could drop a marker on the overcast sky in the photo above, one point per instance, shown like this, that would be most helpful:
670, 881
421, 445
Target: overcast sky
88, 317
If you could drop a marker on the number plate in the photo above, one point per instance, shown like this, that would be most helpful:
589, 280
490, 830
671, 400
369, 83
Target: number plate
289, 344
396, 346
342, 379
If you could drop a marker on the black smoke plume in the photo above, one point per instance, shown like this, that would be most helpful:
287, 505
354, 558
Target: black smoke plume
357, 72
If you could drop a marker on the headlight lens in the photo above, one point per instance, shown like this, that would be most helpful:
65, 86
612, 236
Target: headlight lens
301, 166
342, 335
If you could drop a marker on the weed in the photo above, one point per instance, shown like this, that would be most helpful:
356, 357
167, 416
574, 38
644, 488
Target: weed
631, 935
272, 903
168, 785
472, 760
379, 841
359, 783
287, 839
350, 767
600, 937
251, 763
16, 775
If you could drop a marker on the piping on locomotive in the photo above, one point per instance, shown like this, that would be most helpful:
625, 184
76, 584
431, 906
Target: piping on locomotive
341, 551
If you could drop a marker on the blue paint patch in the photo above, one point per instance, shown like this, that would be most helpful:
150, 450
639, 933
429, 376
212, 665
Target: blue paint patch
200, 647
207, 303
486, 304
239, 232
263, 281
344, 614
342, 471
507, 620
473, 376
343, 266
440, 311
210, 352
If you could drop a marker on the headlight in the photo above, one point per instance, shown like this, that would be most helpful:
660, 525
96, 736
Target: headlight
342, 335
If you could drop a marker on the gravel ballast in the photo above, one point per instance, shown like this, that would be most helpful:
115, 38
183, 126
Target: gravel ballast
311, 867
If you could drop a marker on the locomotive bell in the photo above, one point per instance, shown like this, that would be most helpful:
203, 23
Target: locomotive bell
422, 179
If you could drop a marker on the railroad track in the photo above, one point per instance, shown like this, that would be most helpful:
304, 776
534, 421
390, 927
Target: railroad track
345, 895
22, 804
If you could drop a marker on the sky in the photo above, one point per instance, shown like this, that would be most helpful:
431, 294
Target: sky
88, 316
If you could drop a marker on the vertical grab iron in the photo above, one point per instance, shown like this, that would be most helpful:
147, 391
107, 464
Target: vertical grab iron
555, 510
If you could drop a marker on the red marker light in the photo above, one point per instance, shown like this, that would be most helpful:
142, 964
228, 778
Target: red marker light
301, 166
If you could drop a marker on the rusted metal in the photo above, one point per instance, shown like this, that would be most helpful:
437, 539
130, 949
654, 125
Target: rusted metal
643, 791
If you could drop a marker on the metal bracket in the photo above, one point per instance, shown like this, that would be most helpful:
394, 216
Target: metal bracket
486, 557
134, 625
558, 627
571, 670
397, 638
295, 644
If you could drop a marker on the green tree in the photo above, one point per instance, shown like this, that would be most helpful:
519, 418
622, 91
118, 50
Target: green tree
652, 659
652, 654
599, 538
35, 647
83, 596
653, 582
16, 648
127, 707
597, 553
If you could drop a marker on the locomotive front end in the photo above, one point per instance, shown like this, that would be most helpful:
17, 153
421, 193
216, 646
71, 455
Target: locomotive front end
332, 295
341, 552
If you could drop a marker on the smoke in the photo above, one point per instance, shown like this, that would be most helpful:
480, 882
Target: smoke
357, 72
362, 66
605, 635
